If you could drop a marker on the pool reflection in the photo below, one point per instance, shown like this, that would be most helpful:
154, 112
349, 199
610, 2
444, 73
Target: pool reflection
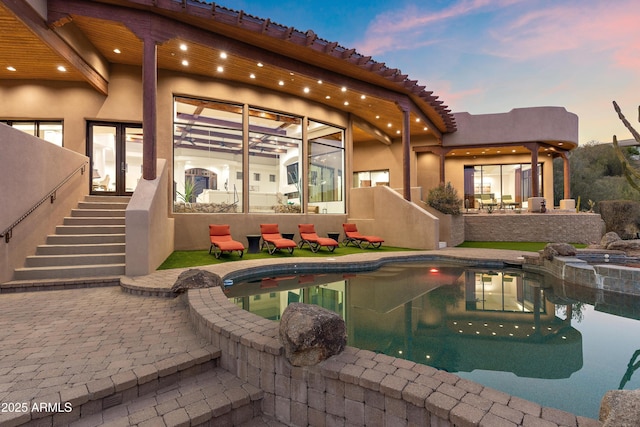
447, 316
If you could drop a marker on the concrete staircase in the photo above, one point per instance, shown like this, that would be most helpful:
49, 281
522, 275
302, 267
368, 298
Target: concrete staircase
89, 244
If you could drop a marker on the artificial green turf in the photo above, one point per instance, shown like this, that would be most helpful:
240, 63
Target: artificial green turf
183, 259
516, 246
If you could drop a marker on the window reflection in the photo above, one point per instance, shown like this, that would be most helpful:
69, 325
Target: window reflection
274, 148
207, 155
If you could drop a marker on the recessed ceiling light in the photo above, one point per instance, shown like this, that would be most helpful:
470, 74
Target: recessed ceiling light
513, 151
116, 50
344, 89
425, 128
10, 68
183, 47
185, 62
363, 97
417, 119
346, 103
260, 64
306, 90
377, 117
388, 125
223, 55
61, 68
252, 76
398, 132
327, 97
281, 83
220, 68
319, 82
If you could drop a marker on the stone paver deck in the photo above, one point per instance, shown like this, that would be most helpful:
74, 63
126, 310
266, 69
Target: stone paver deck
80, 344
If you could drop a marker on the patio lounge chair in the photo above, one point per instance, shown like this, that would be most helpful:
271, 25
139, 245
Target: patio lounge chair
508, 202
221, 240
353, 236
486, 201
309, 237
273, 240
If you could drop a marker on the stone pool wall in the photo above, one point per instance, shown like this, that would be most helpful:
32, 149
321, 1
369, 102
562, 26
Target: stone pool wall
602, 270
356, 387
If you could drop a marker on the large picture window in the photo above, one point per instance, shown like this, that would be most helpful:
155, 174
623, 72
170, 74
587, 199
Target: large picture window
207, 156
498, 185
326, 163
275, 141
210, 145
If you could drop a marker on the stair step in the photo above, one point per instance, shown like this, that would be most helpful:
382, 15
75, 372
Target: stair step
84, 239
90, 229
97, 248
94, 220
214, 397
98, 213
107, 199
102, 205
39, 273
73, 260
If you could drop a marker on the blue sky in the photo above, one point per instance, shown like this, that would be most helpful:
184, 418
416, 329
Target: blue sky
489, 56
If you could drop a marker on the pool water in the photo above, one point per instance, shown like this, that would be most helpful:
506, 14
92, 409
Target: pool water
522, 333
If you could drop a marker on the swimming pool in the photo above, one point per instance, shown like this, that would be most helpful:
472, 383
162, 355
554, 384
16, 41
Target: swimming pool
519, 332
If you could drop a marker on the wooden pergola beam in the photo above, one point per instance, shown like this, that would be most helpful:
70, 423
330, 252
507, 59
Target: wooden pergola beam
32, 20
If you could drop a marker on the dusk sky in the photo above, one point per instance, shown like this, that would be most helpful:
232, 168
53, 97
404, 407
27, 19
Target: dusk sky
490, 56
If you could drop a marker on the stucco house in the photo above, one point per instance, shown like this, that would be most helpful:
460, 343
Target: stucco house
202, 114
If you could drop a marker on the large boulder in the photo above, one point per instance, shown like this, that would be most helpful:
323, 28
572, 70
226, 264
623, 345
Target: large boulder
609, 238
311, 334
553, 250
195, 279
620, 408
629, 247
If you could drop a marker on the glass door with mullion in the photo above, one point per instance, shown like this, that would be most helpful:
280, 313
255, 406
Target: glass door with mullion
116, 157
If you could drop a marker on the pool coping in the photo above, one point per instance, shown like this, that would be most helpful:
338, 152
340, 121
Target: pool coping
356, 387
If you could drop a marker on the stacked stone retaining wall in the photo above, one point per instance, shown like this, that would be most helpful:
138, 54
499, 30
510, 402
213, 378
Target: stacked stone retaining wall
565, 227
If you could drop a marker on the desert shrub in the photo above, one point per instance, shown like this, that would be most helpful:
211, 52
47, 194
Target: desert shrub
444, 198
621, 217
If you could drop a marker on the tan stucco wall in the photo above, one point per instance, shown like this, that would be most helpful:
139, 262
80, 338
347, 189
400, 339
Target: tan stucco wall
150, 232
383, 212
374, 155
531, 124
75, 103
30, 168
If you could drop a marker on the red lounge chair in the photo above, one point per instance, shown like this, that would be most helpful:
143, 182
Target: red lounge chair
308, 236
353, 236
221, 240
273, 240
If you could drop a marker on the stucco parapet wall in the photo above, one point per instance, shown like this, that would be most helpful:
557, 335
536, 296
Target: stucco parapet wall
601, 270
534, 124
356, 387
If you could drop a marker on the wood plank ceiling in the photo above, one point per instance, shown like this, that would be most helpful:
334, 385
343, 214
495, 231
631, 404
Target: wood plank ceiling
32, 59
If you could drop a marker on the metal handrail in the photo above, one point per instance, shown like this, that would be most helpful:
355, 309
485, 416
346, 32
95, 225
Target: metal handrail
8, 232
